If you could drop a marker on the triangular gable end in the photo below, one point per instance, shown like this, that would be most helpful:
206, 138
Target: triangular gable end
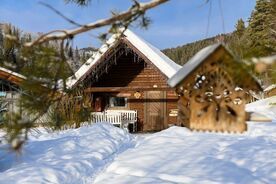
204, 55
154, 55
145, 58
192, 64
165, 65
213, 88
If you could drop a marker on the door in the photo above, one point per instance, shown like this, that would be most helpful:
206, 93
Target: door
155, 110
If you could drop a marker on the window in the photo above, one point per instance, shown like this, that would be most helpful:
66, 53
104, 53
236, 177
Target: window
3, 94
117, 102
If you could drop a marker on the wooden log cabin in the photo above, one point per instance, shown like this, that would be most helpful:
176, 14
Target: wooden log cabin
214, 88
128, 73
9, 90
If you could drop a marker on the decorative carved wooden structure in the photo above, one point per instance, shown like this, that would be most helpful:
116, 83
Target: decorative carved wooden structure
134, 73
213, 89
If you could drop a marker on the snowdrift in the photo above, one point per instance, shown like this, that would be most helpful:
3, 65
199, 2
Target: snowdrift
177, 155
72, 156
105, 154
265, 107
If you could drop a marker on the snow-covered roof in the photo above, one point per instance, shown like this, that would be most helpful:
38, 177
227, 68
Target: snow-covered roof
192, 64
267, 60
270, 87
12, 73
160, 60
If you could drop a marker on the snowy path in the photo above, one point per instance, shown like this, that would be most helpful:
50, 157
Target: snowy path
177, 155
72, 156
104, 154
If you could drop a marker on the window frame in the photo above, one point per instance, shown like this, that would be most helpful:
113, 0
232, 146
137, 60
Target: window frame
116, 97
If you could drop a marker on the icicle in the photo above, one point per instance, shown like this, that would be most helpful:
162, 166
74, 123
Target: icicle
115, 59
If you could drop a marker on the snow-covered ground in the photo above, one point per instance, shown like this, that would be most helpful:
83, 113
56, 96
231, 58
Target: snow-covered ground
177, 155
105, 154
72, 156
265, 107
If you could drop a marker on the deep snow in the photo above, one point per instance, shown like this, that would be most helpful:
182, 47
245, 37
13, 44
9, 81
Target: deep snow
177, 155
105, 154
265, 107
72, 156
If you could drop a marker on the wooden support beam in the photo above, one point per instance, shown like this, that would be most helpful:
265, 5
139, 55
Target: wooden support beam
10, 77
123, 89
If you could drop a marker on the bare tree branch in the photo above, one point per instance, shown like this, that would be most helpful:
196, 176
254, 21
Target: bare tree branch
136, 9
60, 14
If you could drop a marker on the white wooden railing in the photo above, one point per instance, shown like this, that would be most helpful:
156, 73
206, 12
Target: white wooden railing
119, 118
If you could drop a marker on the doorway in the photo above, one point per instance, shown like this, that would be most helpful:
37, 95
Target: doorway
155, 111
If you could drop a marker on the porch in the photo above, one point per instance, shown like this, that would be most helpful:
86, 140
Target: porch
153, 107
125, 119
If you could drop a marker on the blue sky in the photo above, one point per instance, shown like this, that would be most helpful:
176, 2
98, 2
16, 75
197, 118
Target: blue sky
174, 23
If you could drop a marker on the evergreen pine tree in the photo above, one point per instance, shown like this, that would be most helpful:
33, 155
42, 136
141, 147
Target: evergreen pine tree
262, 41
240, 28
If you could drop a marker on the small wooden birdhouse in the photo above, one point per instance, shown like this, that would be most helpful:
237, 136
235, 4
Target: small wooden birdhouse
213, 87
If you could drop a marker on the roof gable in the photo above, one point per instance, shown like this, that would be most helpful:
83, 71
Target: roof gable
160, 60
154, 55
192, 64
236, 69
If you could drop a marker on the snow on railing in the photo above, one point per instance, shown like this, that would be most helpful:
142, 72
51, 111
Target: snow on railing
119, 118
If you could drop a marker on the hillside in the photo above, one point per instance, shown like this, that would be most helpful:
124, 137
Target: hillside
76, 57
182, 54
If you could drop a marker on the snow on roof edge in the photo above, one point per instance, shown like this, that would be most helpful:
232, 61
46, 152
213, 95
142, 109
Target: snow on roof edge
160, 60
71, 81
167, 66
272, 86
266, 60
195, 61
12, 72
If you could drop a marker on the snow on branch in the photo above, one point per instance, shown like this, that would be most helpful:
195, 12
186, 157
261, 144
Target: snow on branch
136, 9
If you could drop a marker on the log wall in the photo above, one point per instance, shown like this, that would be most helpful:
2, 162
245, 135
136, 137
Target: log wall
139, 75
